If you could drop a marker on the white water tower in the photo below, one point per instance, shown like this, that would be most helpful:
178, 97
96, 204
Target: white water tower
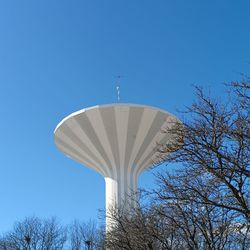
118, 141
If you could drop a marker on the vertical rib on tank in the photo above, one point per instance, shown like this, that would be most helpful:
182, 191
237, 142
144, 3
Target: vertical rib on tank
119, 141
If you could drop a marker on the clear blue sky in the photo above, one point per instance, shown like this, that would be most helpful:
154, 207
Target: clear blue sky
57, 57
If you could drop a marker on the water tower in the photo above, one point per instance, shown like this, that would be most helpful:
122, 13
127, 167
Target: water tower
119, 141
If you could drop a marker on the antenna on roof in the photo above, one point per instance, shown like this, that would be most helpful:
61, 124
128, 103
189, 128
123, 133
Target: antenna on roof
118, 93
118, 87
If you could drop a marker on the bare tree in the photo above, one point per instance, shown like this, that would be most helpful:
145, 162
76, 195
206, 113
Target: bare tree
34, 233
201, 225
172, 222
85, 236
216, 141
143, 227
213, 145
130, 229
206, 203
242, 89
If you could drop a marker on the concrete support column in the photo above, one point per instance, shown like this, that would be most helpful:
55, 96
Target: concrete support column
120, 193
